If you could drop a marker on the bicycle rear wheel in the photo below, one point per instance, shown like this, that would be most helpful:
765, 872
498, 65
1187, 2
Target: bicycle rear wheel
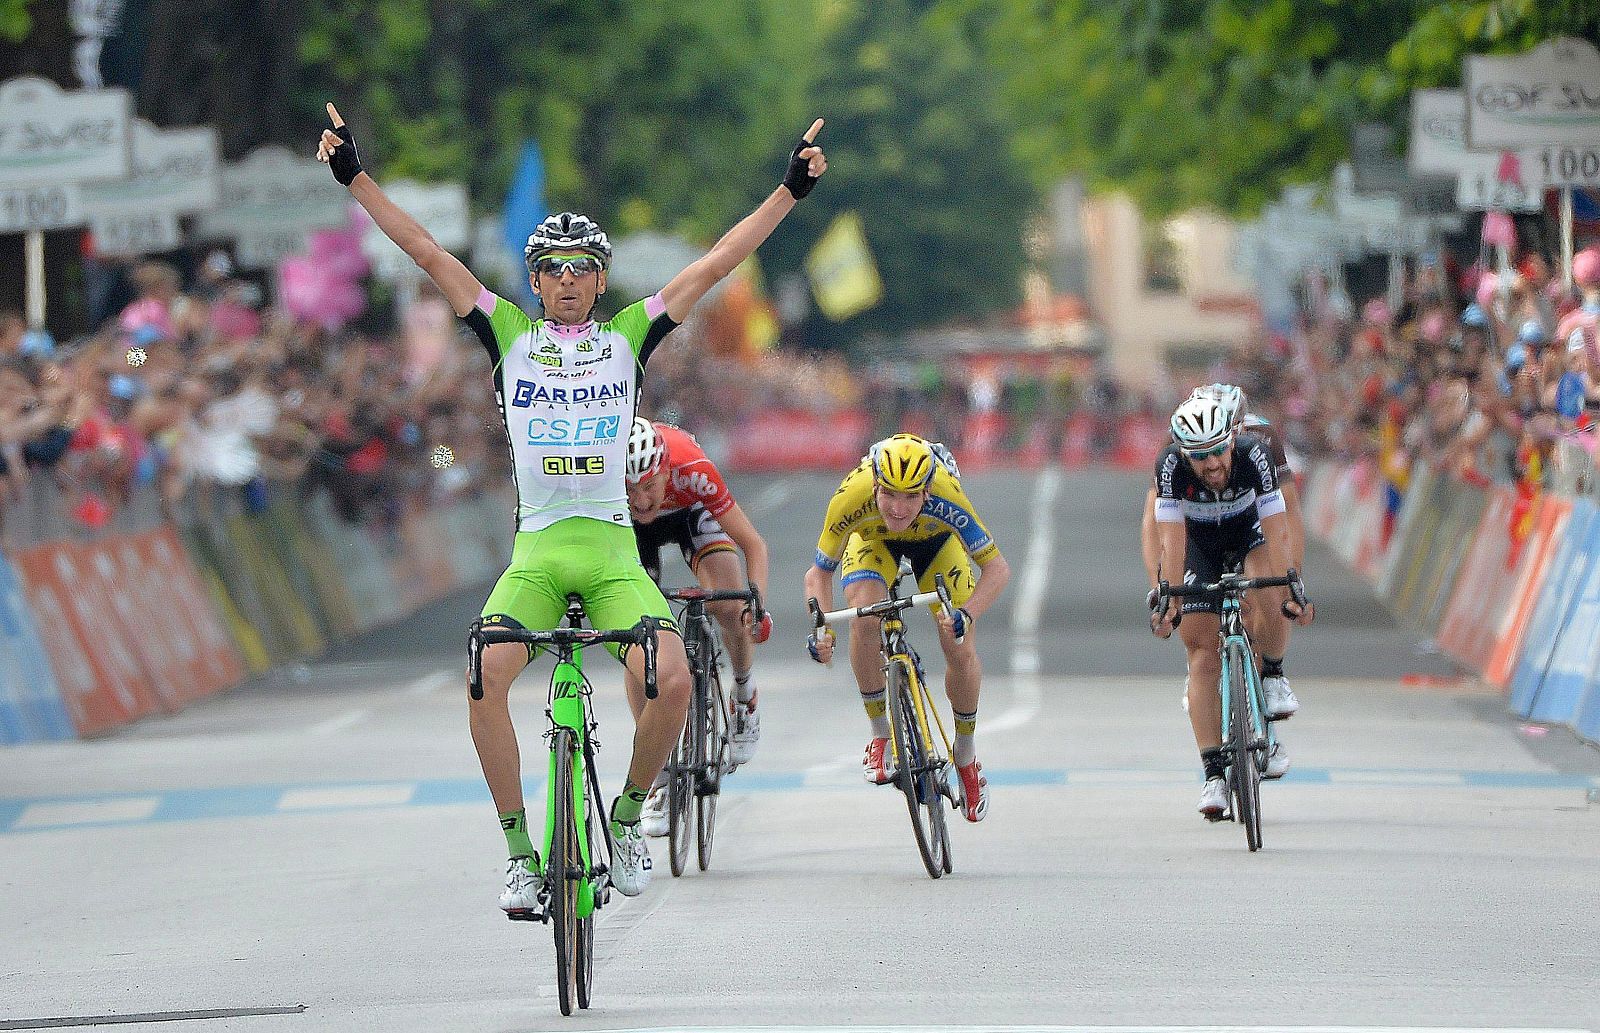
1244, 765
561, 877
680, 787
714, 761
911, 775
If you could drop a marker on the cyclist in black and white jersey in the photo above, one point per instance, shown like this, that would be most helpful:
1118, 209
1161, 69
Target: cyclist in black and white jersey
1219, 507
1281, 700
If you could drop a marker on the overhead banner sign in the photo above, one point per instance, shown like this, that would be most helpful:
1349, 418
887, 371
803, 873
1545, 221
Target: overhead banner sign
272, 190
1508, 184
174, 171
50, 136
442, 210
55, 207
270, 201
1438, 132
1549, 95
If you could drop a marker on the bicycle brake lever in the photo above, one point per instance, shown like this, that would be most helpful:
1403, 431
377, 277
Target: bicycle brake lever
816, 613
650, 690
475, 660
944, 602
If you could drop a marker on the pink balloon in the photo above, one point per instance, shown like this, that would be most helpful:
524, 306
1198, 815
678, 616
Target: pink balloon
1586, 267
1488, 283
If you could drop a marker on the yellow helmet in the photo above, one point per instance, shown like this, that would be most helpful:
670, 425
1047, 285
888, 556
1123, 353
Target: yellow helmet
904, 463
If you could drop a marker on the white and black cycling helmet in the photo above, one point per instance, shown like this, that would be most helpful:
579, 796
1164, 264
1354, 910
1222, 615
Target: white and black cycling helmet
646, 450
1230, 397
567, 231
1201, 423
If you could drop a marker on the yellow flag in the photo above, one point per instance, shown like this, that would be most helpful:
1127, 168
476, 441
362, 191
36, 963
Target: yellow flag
844, 277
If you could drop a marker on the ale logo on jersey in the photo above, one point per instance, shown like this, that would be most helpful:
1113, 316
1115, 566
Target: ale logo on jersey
559, 466
564, 430
527, 393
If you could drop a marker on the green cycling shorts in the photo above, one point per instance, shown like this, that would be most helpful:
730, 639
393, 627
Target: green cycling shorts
596, 559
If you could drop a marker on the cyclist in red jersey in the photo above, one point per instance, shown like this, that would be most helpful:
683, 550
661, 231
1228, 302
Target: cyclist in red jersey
676, 496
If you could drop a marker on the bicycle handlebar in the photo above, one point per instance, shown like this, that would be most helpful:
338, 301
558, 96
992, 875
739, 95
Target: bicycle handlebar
1229, 585
886, 608
643, 635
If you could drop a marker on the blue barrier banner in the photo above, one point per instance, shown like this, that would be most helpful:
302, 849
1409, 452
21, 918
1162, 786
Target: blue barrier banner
30, 702
1570, 571
1572, 664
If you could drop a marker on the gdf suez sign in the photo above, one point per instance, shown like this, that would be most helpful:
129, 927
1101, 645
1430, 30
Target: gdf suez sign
568, 465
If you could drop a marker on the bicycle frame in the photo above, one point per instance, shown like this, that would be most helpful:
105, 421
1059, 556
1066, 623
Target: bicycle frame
1233, 632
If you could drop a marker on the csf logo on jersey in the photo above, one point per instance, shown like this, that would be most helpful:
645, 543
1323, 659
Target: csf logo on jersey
559, 466
563, 430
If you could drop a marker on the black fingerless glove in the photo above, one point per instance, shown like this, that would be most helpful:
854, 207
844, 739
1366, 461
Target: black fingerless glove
344, 161
799, 179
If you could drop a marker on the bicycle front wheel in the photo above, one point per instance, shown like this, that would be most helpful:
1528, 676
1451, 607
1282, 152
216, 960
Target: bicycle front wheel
1245, 771
714, 762
680, 788
562, 872
911, 774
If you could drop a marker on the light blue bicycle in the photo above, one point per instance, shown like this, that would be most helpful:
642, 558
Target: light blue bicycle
1247, 737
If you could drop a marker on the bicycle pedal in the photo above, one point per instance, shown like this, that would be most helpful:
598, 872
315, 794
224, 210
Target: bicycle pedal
526, 915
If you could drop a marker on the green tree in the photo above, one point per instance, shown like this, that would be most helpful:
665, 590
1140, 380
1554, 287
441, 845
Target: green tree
15, 21
918, 146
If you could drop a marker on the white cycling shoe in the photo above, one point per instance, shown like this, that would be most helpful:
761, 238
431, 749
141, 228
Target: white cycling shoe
631, 867
1277, 762
521, 894
1280, 699
653, 818
746, 731
1214, 799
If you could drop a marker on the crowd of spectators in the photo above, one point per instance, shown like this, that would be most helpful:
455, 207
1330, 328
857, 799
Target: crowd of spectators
205, 396
1488, 376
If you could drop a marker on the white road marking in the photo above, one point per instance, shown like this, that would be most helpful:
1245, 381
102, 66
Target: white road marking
86, 812
771, 497
345, 796
340, 723
1027, 695
428, 684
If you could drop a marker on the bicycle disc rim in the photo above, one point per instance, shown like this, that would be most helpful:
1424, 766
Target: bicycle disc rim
680, 790
1246, 775
563, 856
908, 749
716, 754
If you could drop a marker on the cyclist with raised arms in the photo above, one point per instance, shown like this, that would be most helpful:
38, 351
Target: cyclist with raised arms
677, 496
1280, 700
567, 387
1219, 507
905, 501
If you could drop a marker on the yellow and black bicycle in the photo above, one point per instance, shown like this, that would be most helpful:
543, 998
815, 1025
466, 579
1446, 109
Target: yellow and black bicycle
921, 762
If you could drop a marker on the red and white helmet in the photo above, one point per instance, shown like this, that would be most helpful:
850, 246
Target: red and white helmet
646, 450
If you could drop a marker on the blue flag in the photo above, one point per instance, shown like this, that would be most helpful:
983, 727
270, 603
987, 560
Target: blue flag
525, 205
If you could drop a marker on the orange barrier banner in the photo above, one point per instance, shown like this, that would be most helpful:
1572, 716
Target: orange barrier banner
1549, 524
210, 659
1466, 631
1139, 441
103, 683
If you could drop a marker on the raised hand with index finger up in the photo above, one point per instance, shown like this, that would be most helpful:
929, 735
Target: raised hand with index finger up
337, 149
807, 163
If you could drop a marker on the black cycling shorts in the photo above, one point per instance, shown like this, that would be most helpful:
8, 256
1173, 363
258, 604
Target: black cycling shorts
694, 531
1207, 560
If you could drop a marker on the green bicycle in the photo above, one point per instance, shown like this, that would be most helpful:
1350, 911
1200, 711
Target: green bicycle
575, 875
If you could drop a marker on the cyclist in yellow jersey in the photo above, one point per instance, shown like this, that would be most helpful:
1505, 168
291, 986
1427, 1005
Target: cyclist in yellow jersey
904, 501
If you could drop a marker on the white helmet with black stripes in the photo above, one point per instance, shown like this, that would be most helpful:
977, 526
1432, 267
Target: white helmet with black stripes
1201, 422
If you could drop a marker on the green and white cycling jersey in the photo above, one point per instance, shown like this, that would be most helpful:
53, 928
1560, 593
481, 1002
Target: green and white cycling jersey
567, 395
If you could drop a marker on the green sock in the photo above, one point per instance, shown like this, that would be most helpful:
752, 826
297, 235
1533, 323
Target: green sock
625, 808
515, 826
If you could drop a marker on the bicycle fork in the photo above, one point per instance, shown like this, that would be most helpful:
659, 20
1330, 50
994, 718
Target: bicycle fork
567, 712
